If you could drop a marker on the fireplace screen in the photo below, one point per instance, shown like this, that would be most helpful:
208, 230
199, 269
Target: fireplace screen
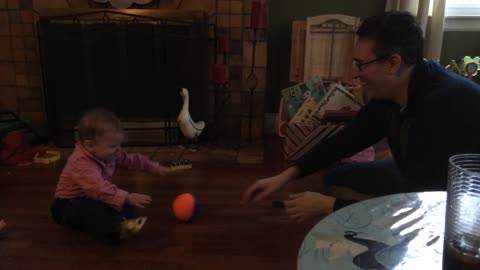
134, 66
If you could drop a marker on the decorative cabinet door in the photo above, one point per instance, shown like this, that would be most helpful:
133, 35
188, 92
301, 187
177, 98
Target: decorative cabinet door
323, 46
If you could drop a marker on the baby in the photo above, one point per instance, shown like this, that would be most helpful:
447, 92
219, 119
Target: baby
85, 197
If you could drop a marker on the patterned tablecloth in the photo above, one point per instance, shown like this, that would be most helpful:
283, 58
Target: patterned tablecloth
401, 231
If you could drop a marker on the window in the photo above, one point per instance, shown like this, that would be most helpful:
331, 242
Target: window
462, 8
460, 15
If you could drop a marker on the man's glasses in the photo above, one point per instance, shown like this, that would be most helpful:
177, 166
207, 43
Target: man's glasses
359, 65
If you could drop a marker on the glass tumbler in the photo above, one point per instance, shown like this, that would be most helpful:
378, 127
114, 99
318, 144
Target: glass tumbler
462, 225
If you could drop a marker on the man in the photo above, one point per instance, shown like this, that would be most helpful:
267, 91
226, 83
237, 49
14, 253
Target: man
427, 114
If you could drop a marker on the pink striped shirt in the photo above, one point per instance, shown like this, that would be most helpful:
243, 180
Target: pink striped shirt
86, 176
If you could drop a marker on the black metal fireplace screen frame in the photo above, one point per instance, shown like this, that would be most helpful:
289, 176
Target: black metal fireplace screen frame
75, 81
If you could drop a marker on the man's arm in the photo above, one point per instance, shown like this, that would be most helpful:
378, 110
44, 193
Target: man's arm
370, 126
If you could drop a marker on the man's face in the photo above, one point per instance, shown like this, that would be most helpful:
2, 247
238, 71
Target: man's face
376, 76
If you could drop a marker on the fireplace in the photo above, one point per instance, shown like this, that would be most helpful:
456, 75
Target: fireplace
132, 64
32, 87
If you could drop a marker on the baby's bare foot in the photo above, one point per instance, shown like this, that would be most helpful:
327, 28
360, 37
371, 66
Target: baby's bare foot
130, 227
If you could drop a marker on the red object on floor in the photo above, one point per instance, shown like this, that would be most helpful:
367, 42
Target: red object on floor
185, 207
15, 150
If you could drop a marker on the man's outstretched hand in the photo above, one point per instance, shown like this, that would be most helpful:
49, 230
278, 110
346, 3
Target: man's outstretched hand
306, 205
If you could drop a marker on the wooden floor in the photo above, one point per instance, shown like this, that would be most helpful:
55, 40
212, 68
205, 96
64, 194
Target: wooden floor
226, 234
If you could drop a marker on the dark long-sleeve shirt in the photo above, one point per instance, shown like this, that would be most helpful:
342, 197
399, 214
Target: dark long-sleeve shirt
442, 118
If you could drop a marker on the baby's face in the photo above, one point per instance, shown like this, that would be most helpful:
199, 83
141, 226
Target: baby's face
106, 147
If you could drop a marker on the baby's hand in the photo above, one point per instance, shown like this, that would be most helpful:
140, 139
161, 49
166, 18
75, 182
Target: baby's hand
161, 170
138, 200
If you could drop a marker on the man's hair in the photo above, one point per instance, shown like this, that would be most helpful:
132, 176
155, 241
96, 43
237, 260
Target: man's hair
394, 32
96, 122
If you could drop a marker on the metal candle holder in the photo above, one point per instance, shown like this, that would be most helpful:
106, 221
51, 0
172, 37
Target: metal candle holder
252, 79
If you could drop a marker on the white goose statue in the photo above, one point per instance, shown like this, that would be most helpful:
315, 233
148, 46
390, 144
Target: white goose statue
190, 129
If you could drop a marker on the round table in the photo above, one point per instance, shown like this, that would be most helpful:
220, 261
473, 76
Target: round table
401, 231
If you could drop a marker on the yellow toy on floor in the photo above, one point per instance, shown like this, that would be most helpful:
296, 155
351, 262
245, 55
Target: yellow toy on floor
182, 164
47, 157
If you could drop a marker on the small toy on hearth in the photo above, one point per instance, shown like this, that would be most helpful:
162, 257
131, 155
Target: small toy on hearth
182, 164
185, 207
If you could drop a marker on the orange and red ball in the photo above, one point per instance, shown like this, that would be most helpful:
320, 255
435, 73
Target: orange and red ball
185, 207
